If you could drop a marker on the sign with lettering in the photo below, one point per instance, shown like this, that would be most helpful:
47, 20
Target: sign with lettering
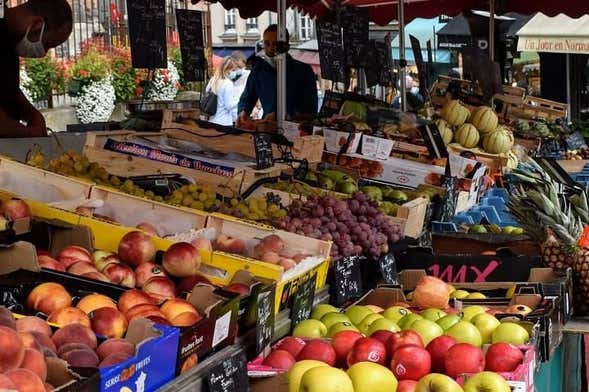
347, 276
230, 375
388, 268
302, 301
331, 51
575, 141
554, 44
263, 148
265, 319
355, 23
147, 33
190, 32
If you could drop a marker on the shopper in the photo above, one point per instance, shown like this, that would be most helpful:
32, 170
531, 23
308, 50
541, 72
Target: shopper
223, 86
27, 30
242, 72
301, 92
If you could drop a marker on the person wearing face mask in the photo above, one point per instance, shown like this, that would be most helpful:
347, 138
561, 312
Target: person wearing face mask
27, 30
222, 84
301, 92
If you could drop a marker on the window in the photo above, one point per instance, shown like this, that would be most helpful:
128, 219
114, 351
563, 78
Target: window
305, 28
230, 20
251, 24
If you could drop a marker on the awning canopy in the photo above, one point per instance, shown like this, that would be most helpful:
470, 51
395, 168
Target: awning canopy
558, 34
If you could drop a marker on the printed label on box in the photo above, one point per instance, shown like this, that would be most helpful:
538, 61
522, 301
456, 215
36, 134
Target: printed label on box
221, 328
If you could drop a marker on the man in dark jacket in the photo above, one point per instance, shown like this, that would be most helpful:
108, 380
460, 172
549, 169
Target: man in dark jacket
301, 90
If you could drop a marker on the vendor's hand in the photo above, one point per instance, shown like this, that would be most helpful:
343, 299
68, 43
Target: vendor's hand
270, 117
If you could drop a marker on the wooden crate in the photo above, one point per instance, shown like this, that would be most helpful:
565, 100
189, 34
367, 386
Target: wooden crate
496, 163
533, 107
509, 97
125, 165
413, 212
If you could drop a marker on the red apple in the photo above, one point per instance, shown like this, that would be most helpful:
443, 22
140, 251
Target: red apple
146, 271
120, 274
14, 209
383, 335
136, 247
293, 345
187, 284
406, 386
47, 261
104, 261
503, 357
81, 267
403, 338
367, 350
438, 348
279, 359
71, 254
238, 288
148, 228
181, 260
342, 342
464, 358
160, 288
319, 350
227, 244
410, 363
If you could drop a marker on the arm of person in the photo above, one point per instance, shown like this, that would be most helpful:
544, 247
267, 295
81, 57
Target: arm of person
31, 115
11, 127
248, 98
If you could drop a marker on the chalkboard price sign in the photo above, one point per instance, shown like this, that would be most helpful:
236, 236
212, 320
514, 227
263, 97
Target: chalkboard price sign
575, 141
388, 268
230, 375
263, 148
302, 302
191, 44
347, 279
265, 319
332, 103
147, 33
355, 23
331, 51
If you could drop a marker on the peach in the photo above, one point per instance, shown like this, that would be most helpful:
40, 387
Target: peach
35, 362
273, 243
187, 284
29, 341
50, 262
229, 245
147, 227
81, 358
6, 318
106, 260
12, 350
14, 209
109, 322
70, 347
287, 263
120, 274
300, 257
6, 383
189, 363
81, 267
115, 345
72, 254
203, 244
181, 260
95, 301
136, 247
48, 297
45, 341
174, 306
270, 257
48, 353
160, 288
75, 333
147, 271
33, 324
134, 297
186, 319
144, 310
114, 359
96, 276
69, 315
25, 380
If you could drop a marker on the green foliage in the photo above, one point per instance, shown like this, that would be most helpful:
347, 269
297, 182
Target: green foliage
46, 75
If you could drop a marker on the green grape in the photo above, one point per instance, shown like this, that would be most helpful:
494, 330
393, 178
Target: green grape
158, 198
202, 197
217, 203
198, 205
149, 194
187, 200
234, 202
192, 188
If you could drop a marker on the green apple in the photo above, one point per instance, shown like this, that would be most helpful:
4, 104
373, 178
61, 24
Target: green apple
433, 314
427, 329
341, 326
309, 329
396, 313
486, 381
465, 332
296, 372
382, 324
408, 319
372, 377
459, 294
448, 321
331, 318
366, 321
322, 309
356, 313
486, 324
510, 333
468, 312
326, 379
436, 382
476, 296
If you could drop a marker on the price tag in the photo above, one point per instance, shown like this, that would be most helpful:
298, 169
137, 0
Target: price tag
230, 375
265, 319
575, 141
221, 328
347, 279
331, 50
302, 302
147, 33
388, 269
191, 35
263, 148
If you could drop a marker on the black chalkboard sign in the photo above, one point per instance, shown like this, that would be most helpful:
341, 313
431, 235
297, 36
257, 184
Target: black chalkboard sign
331, 51
230, 375
388, 268
265, 319
575, 141
347, 275
332, 103
355, 23
191, 32
302, 301
147, 33
263, 148
433, 140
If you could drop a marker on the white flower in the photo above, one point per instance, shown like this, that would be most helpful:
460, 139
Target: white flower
96, 102
25, 82
164, 85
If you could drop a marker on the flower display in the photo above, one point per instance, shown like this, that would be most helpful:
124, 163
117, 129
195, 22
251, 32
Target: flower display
96, 101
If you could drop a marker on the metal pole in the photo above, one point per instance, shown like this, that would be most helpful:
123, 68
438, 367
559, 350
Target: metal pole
492, 30
402, 61
281, 66
568, 76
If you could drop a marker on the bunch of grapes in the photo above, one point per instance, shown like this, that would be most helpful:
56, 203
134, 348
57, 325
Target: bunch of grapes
199, 197
254, 208
356, 225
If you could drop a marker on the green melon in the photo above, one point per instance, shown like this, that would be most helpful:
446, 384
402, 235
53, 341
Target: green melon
484, 119
445, 130
499, 141
467, 136
454, 113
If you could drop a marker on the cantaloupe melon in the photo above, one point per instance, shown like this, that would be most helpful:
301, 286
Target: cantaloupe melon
454, 113
467, 135
445, 130
499, 141
484, 119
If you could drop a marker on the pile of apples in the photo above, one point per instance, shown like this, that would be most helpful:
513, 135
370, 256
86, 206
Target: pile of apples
28, 344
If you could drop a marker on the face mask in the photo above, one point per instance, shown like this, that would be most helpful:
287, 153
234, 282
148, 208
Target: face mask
26, 48
415, 90
233, 75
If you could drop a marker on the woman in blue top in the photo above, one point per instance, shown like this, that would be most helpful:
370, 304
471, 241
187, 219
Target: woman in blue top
223, 86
